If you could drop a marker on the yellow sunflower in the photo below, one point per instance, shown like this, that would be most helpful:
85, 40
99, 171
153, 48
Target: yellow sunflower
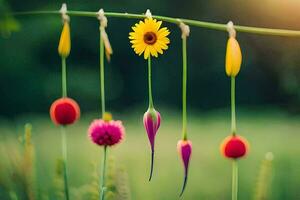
148, 38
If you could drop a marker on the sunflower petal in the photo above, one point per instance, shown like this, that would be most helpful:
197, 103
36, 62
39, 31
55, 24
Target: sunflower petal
147, 52
153, 51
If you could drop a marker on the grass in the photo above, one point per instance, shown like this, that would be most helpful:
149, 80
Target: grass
210, 173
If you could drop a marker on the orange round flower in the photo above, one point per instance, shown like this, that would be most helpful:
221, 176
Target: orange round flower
234, 147
64, 111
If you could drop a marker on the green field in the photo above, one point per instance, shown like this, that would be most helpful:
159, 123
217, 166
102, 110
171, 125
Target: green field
210, 173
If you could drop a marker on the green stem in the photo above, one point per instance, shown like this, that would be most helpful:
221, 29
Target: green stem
64, 77
13, 195
150, 83
102, 87
184, 83
103, 188
197, 23
234, 180
233, 113
64, 153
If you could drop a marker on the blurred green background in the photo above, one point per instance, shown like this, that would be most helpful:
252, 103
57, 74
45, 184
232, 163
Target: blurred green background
210, 173
268, 95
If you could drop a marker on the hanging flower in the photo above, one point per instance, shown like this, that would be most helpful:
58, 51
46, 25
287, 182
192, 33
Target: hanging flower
234, 147
106, 133
64, 111
184, 148
64, 46
233, 57
148, 38
151, 123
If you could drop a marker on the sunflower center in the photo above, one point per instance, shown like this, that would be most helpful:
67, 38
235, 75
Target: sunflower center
150, 38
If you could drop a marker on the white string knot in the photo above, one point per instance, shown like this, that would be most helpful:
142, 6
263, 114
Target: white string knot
101, 17
103, 24
231, 30
185, 30
148, 14
63, 11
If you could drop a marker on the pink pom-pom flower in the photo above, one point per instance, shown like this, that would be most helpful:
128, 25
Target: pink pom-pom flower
151, 123
106, 133
184, 148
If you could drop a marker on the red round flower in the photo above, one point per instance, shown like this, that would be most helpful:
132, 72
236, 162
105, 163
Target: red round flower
106, 133
64, 111
234, 147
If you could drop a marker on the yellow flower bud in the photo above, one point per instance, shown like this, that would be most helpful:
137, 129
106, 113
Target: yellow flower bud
64, 46
233, 57
107, 116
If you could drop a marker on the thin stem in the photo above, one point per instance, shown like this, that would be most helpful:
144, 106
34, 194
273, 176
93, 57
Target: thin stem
64, 153
152, 165
197, 23
150, 83
103, 188
102, 87
64, 77
234, 180
233, 113
184, 83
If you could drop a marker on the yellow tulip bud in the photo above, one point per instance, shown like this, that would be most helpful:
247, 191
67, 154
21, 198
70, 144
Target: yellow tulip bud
64, 46
233, 57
